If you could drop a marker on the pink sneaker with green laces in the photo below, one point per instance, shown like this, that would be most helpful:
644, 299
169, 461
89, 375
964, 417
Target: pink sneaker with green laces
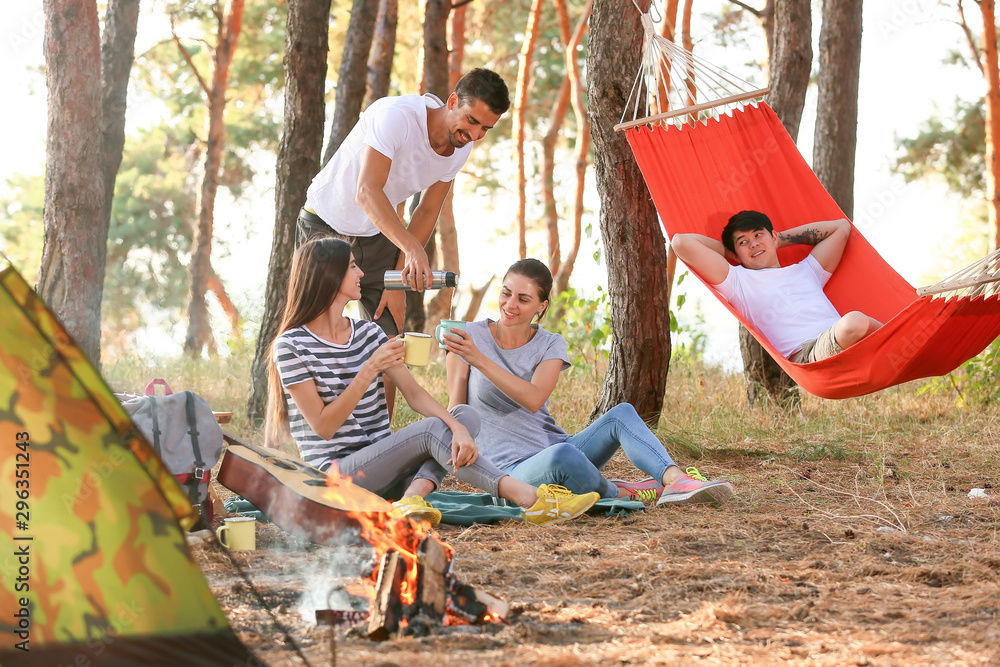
693, 489
647, 490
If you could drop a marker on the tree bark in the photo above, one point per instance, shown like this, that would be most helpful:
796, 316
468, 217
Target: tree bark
71, 280
117, 53
353, 74
836, 134
306, 48
581, 150
640, 348
990, 66
520, 116
199, 329
436, 79
441, 305
688, 43
382, 52
765, 19
547, 166
791, 63
436, 47
789, 67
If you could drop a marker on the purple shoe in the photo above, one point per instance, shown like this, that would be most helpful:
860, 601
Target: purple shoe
647, 491
690, 491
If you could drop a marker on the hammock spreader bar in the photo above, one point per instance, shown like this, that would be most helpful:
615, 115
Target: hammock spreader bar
700, 175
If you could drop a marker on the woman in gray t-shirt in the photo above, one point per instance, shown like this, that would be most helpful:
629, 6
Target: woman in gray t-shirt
507, 369
326, 392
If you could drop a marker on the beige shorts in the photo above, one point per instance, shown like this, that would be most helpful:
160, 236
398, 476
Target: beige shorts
822, 346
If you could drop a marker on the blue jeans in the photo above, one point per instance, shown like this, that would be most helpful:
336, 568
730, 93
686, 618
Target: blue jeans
577, 462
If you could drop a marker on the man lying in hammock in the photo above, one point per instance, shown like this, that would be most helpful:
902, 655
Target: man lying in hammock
786, 304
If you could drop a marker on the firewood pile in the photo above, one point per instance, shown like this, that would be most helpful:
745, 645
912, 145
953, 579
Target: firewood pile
431, 600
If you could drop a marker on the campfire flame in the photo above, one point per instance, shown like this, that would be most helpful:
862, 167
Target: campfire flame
384, 532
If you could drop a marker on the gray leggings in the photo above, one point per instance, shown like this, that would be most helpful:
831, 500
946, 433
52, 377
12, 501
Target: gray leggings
421, 450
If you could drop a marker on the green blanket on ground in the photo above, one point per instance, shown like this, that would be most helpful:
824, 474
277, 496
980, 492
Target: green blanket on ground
465, 509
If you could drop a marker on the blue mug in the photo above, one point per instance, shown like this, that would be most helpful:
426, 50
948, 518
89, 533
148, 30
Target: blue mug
443, 328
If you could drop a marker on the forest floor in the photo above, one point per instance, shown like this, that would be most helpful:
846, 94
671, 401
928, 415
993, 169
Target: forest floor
851, 540
809, 564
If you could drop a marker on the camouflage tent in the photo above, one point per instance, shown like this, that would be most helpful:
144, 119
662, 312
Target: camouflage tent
95, 567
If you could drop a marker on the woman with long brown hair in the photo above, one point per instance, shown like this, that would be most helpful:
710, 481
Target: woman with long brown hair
326, 391
507, 370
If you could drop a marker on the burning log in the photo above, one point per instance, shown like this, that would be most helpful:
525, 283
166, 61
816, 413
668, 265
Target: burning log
386, 612
439, 599
434, 568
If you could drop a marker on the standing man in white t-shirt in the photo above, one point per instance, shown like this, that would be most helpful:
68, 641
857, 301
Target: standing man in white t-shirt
786, 304
400, 146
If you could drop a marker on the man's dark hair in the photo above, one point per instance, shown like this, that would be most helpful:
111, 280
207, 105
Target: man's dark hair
744, 221
486, 86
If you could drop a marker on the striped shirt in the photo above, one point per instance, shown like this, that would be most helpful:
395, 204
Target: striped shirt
301, 355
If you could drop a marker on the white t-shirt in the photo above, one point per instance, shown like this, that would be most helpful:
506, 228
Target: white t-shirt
397, 128
786, 304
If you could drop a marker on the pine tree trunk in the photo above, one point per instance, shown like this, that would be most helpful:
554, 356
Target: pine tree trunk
547, 171
306, 47
436, 47
520, 119
382, 52
199, 332
117, 53
352, 77
71, 280
989, 48
836, 135
546, 168
640, 348
789, 69
791, 62
688, 45
436, 80
440, 305
581, 148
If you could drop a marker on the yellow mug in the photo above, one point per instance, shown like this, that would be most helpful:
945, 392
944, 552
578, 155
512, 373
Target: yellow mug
416, 348
238, 533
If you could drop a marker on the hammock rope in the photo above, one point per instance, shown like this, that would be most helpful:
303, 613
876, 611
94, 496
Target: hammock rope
981, 278
671, 80
700, 173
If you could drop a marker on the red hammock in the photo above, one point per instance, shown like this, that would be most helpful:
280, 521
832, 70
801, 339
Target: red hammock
699, 176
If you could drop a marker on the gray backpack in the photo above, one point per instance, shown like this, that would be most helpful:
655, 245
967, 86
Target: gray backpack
183, 431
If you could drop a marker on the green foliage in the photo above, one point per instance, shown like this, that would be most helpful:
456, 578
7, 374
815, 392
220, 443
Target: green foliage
253, 114
21, 228
494, 36
151, 227
689, 341
949, 148
586, 326
975, 383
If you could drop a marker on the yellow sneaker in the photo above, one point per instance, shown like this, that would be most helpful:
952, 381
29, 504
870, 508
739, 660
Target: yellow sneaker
556, 504
416, 508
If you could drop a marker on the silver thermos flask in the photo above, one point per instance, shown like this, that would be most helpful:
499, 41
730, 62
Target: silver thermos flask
394, 280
